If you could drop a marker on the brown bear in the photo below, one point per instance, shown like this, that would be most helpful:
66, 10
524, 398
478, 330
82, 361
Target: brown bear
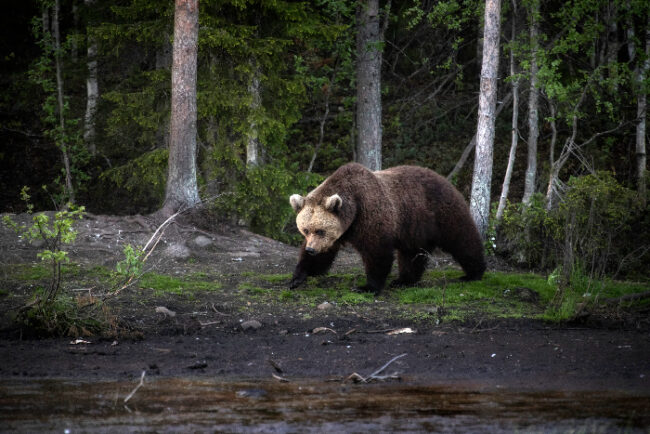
406, 208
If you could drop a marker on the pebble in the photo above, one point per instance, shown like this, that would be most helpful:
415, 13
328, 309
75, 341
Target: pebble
252, 324
325, 306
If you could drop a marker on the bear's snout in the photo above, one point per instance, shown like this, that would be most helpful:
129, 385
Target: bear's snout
310, 250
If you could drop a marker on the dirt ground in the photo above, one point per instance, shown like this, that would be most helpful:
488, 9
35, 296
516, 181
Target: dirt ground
221, 334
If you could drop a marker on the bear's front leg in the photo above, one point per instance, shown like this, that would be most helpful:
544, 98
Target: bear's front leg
312, 265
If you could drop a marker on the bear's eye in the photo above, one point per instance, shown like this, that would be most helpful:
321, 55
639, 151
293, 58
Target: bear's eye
320, 233
305, 231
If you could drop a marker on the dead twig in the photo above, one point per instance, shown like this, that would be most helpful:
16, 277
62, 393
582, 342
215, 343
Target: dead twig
355, 377
140, 384
216, 311
280, 379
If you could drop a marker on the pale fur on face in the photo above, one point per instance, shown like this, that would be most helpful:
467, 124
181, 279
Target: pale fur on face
318, 224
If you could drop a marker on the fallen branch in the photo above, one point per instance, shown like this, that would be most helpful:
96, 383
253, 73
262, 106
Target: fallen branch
147, 250
375, 375
140, 384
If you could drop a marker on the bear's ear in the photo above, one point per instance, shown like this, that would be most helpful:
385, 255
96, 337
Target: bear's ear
333, 203
297, 202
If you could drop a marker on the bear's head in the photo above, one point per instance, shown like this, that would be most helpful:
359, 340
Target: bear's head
318, 221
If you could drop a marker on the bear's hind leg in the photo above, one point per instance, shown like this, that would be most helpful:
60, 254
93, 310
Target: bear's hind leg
378, 268
411, 267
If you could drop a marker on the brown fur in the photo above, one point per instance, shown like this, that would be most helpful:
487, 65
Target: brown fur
407, 208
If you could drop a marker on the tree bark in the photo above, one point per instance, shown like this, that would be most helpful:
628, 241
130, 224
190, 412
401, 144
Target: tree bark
515, 118
253, 146
92, 91
59, 93
533, 107
368, 72
641, 113
182, 191
482, 179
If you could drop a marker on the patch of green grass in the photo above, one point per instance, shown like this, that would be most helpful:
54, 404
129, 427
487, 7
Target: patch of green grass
161, 283
584, 292
274, 278
504, 295
39, 271
252, 289
493, 286
355, 298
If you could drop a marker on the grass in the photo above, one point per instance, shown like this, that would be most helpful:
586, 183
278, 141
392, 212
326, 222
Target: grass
501, 295
38, 272
440, 294
161, 283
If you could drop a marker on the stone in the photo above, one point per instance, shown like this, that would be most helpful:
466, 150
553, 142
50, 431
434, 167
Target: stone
203, 241
252, 324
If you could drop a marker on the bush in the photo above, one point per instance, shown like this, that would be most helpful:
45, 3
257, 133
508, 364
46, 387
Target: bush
599, 228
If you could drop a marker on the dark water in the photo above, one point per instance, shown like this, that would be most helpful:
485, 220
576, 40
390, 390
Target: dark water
194, 405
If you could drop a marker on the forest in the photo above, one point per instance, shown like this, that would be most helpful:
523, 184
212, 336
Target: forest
153, 277
287, 91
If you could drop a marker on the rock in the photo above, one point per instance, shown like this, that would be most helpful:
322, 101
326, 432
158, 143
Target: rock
203, 241
178, 251
165, 311
252, 324
326, 305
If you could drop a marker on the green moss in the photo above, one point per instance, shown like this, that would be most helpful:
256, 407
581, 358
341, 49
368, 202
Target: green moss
38, 271
161, 283
500, 295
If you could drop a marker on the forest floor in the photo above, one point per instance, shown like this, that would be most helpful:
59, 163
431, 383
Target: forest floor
226, 311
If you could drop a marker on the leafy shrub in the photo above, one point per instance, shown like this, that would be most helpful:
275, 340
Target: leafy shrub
525, 234
50, 311
595, 224
599, 227
54, 233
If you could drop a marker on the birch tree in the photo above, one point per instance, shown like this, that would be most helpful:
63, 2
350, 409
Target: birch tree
92, 90
641, 72
482, 178
62, 138
253, 145
182, 191
533, 105
515, 118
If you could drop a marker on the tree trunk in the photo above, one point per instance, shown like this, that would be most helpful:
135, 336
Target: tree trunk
368, 71
253, 146
533, 107
482, 179
92, 91
59, 93
515, 117
182, 191
641, 113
